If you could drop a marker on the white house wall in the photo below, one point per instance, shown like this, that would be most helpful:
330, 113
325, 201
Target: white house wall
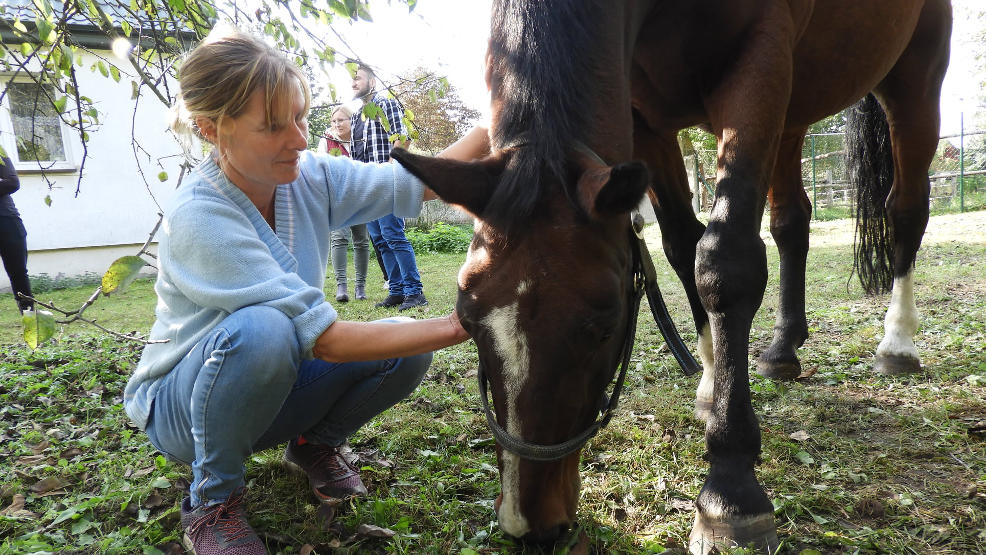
113, 213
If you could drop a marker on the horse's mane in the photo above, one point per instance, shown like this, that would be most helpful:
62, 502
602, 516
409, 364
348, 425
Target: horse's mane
542, 54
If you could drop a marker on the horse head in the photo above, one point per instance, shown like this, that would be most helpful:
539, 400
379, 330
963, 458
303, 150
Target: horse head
544, 298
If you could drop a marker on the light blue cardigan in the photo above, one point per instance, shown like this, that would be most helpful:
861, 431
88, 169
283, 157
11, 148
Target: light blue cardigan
217, 254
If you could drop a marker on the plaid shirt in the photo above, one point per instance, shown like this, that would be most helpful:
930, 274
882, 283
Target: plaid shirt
371, 142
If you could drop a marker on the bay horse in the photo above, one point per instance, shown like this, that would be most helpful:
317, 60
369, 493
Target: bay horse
580, 89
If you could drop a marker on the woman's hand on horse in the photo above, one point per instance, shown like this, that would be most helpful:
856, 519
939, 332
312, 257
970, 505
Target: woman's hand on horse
346, 341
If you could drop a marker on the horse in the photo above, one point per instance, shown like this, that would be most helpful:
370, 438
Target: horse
587, 99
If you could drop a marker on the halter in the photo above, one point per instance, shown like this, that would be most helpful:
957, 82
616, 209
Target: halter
643, 281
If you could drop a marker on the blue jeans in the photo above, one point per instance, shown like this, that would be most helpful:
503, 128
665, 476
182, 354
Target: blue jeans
395, 250
244, 388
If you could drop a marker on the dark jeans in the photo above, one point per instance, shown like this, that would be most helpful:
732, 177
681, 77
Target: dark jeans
13, 252
397, 254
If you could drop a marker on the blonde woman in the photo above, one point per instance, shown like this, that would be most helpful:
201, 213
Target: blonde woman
254, 356
337, 143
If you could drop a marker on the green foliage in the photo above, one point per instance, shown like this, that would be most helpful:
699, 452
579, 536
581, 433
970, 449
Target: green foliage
441, 237
44, 283
121, 273
430, 465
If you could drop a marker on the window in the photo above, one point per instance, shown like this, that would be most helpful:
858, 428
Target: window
33, 131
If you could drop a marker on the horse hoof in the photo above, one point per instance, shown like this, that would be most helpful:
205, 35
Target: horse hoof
896, 365
703, 409
779, 370
710, 536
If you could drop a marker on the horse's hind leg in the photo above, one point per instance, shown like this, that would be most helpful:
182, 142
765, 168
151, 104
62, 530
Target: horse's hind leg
790, 212
910, 96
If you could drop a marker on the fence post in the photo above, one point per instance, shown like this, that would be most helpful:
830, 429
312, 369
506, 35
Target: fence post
814, 191
961, 161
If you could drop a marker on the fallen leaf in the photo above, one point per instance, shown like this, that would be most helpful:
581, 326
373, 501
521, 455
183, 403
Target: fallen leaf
683, 505
16, 505
160, 483
48, 484
153, 501
372, 531
144, 471
39, 448
31, 459
799, 435
71, 453
307, 549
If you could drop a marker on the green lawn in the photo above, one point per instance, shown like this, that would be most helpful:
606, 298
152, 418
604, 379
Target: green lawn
888, 465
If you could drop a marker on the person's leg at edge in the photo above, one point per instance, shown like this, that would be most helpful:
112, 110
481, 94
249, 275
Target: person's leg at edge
219, 400
13, 252
361, 258
396, 287
339, 241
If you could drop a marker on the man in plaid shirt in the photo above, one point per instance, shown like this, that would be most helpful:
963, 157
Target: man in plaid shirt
371, 142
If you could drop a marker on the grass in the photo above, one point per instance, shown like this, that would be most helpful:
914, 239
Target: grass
884, 465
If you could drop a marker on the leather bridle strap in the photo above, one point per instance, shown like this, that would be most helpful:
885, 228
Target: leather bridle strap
538, 452
658, 309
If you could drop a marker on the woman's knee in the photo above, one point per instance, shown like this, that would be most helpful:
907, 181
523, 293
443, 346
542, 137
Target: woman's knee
411, 370
265, 341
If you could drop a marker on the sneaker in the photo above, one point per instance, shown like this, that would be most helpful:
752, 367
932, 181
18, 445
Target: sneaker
341, 294
331, 476
360, 292
220, 529
412, 301
391, 301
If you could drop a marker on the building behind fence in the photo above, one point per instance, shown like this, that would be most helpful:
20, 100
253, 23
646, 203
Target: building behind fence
957, 173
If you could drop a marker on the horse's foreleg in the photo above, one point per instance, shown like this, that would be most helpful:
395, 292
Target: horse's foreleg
790, 212
680, 232
747, 113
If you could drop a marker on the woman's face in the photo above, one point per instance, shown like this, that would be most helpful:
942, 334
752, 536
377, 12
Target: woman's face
256, 155
341, 126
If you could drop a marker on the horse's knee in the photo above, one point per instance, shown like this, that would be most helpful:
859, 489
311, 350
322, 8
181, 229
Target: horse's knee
730, 269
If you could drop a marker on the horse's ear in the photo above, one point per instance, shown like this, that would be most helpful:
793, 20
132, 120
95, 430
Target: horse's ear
608, 190
466, 184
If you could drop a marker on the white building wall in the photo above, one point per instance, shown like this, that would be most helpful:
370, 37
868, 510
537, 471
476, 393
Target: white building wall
114, 211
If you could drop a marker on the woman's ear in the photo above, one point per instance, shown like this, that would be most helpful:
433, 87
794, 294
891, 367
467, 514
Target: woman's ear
207, 128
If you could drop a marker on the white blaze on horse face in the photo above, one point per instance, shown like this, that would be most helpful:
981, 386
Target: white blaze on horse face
901, 322
510, 345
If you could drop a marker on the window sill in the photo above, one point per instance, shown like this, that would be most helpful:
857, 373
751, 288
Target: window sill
32, 168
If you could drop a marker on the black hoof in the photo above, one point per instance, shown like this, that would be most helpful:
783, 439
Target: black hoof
777, 370
896, 365
713, 536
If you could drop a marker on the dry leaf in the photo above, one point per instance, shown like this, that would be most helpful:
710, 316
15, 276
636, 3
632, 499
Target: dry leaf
48, 484
372, 531
39, 448
800, 435
71, 453
31, 459
153, 501
144, 471
326, 514
16, 505
307, 549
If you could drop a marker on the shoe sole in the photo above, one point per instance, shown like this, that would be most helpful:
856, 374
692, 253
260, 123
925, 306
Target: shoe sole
322, 498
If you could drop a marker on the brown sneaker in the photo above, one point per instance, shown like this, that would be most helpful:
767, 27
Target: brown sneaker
331, 476
220, 529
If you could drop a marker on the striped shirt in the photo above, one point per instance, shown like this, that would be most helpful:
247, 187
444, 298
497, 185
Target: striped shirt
370, 141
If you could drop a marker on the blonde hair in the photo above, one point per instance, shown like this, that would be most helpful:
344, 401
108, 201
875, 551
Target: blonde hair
342, 108
220, 75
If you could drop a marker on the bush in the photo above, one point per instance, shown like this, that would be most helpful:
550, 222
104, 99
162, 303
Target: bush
441, 237
43, 283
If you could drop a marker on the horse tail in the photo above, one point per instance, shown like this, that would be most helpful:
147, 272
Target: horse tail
870, 167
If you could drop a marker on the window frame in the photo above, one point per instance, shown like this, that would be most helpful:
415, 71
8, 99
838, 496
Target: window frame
8, 139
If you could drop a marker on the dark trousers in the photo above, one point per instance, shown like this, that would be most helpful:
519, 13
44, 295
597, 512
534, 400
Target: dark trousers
13, 252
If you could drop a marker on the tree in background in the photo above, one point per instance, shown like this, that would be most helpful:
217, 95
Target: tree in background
437, 113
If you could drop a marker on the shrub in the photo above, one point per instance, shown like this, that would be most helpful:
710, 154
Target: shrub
441, 237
